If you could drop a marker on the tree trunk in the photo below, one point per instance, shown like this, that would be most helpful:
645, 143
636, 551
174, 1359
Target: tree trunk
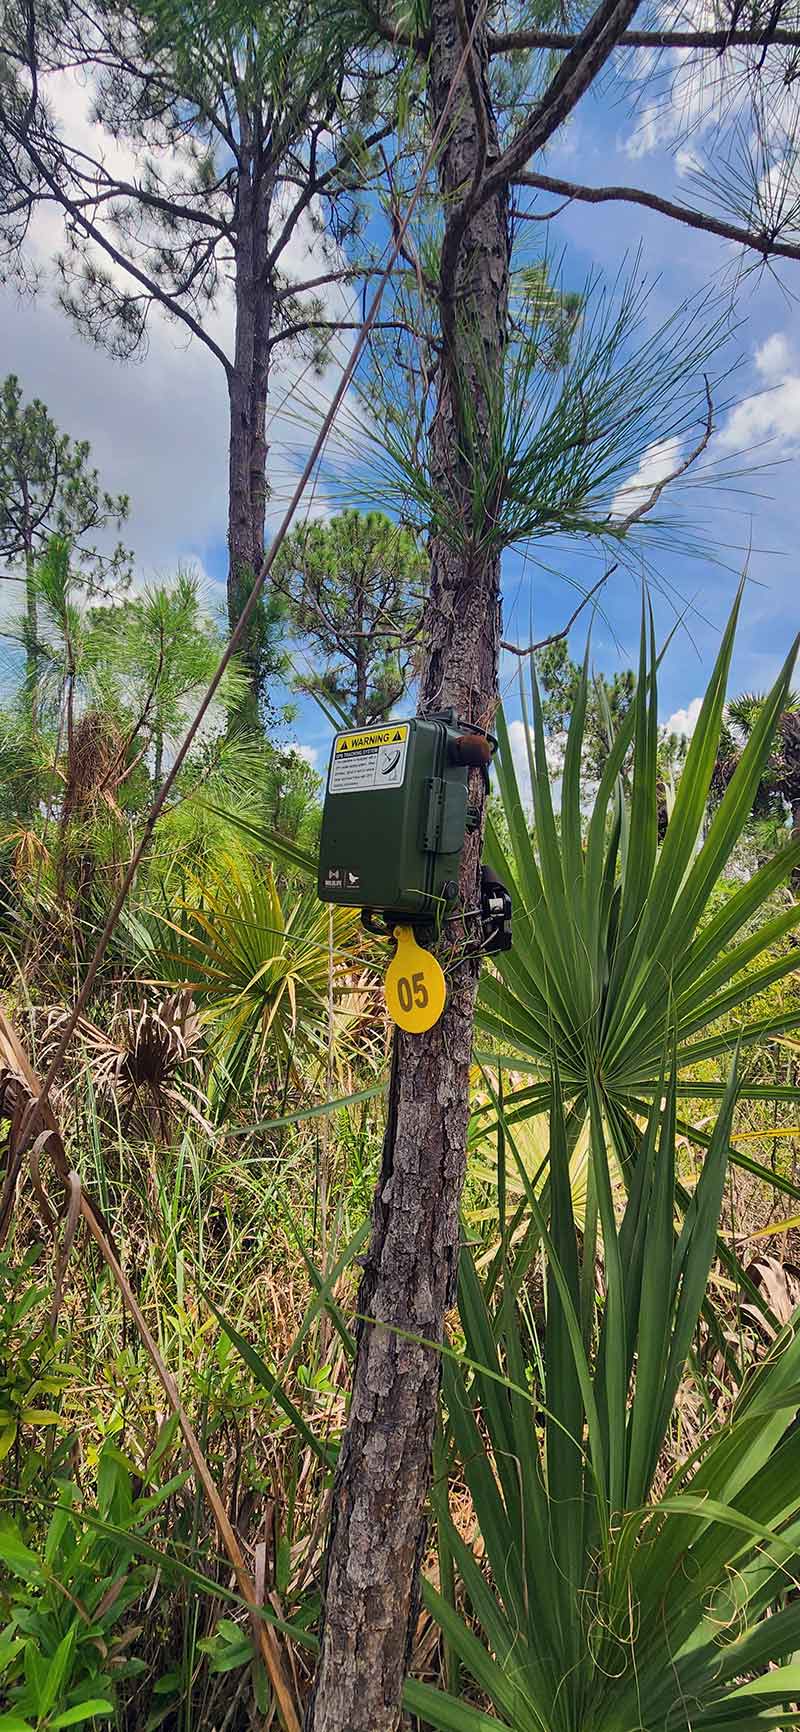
362, 660
378, 1528
31, 638
248, 383
31, 608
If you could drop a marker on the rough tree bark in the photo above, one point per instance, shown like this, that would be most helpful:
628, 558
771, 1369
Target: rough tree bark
377, 1535
248, 379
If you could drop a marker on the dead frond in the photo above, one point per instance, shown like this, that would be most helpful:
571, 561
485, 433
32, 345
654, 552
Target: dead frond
148, 1063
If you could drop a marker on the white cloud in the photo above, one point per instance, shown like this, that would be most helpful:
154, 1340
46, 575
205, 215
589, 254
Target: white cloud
158, 427
774, 358
158, 430
694, 92
519, 753
772, 414
650, 133
658, 461
684, 721
309, 754
778, 189
688, 162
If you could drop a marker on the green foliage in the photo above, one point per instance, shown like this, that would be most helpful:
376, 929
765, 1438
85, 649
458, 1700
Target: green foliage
562, 438
261, 970
608, 701
355, 586
613, 945
115, 688
62, 1651
47, 488
779, 786
34, 1368
160, 648
611, 1600
266, 657
607, 704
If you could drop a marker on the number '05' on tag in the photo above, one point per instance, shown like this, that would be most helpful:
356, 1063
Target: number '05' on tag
414, 985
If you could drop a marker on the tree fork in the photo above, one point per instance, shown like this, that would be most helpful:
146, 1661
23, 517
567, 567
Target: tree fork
378, 1526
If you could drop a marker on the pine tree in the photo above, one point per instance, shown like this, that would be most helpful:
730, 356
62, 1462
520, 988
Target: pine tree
48, 488
245, 130
356, 586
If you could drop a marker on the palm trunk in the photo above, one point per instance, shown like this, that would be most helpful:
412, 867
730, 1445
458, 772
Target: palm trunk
378, 1524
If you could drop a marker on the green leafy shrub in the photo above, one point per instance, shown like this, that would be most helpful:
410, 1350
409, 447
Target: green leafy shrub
34, 1367
613, 944
68, 1603
617, 1596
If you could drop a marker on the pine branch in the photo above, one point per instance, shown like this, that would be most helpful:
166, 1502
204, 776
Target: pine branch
759, 241
561, 41
576, 73
510, 41
314, 185
531, 648
72, 209
649, 504
299, 330
348, 274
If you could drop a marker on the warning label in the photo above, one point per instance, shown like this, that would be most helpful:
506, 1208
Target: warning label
372, 758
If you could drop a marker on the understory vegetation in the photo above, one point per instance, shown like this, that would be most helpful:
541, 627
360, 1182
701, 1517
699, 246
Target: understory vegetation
615, 1512
383, 1344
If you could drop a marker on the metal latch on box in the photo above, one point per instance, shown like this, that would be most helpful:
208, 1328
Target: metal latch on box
445, 816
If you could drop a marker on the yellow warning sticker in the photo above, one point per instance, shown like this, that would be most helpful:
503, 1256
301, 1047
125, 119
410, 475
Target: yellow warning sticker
372, 758
368, 739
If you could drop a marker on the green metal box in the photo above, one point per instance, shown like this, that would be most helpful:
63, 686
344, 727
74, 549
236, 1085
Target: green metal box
394, 818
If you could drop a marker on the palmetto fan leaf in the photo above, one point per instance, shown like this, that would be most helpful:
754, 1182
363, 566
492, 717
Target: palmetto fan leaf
259, 968
614, 943
601, 1601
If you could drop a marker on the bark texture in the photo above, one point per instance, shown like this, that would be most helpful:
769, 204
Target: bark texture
378, 1529
248, 379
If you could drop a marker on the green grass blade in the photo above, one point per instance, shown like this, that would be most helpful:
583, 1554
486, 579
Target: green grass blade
269, 1381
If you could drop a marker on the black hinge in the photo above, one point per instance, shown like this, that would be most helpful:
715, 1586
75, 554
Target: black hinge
432, 814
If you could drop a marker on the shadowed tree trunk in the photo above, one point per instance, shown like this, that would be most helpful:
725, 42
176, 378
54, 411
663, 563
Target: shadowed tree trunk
248, 383
378, 1527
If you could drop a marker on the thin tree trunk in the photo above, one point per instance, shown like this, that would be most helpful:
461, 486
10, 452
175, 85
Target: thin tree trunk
247, 392
378, 1527
259, 383
362, 656
32, 624
31, 609
241, 552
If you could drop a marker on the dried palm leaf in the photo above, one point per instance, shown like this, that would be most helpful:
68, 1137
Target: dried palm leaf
149, 1062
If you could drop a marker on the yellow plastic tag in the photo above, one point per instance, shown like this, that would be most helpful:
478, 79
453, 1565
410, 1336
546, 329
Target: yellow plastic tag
414, 985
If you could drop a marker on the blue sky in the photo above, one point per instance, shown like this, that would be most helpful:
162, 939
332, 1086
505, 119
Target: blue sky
158, 429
